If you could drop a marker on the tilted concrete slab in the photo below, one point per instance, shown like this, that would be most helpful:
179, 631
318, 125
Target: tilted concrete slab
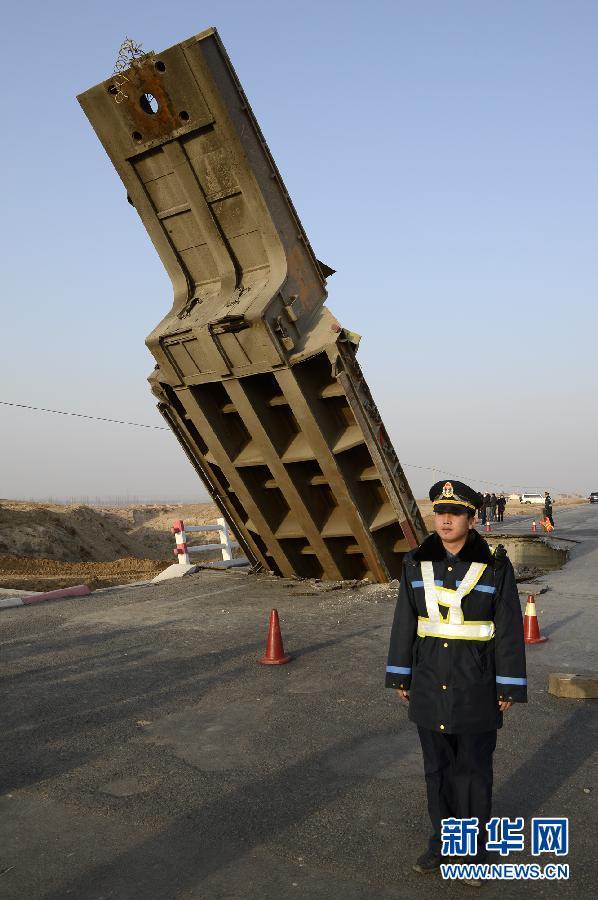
257, 379
176, 570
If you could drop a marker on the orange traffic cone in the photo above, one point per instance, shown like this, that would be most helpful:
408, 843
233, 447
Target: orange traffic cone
274, 655
531, 629
488, 527
534, 528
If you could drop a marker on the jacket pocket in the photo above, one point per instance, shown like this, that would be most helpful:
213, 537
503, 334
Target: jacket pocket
480, 657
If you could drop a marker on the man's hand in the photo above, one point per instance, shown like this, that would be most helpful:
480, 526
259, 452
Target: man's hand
504, 705
404, 695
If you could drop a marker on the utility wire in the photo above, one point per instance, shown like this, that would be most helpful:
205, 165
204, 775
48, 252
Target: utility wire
60, 412
467, 478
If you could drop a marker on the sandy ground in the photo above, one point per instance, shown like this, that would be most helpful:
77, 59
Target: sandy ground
43, 547
50, 574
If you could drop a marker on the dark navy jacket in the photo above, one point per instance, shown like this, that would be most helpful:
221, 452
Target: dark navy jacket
455, 684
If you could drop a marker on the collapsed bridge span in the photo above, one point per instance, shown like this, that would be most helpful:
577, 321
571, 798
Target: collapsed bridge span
254, 375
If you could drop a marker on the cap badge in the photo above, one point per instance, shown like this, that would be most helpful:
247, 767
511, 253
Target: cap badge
447, 490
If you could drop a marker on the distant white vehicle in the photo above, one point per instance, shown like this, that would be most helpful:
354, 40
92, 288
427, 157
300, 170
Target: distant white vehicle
532, 498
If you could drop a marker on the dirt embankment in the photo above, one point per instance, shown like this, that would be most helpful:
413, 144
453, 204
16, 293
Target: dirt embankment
48, 546
44, 546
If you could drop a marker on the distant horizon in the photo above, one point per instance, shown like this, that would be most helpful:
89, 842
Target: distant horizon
122, 501
119, 500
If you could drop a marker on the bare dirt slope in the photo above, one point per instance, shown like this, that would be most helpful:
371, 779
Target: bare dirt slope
93, 534
47, 546
49, 574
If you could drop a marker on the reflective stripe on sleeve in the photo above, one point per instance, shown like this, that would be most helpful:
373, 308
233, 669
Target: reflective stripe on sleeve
506, 679
399, 670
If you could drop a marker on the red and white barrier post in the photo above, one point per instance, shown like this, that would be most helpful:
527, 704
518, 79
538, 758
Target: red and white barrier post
184, 566
181, 550
227, 544
77, 590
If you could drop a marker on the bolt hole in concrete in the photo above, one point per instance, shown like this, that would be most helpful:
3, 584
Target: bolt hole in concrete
184, 115
113, 90
159, 66
137, 136
149, 104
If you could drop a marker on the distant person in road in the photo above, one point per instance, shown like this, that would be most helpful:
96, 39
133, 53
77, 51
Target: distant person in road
488, 510
483, 508
548, 508
500, 507
457, 657
493, 500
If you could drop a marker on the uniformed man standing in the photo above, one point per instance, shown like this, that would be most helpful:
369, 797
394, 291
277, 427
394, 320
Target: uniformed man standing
457, 657
548, 508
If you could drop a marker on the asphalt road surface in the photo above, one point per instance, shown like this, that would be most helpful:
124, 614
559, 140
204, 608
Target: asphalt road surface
145, 754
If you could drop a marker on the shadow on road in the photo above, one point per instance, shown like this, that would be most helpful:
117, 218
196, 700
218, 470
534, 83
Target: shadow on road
214, 835
67, 702
554, 762
554, 626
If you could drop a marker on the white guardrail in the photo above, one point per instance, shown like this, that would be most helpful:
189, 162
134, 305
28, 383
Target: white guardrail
227, 542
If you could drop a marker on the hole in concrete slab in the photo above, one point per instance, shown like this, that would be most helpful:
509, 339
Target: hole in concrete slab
160, 67
184, 115
148, 104
531, 556
137, 136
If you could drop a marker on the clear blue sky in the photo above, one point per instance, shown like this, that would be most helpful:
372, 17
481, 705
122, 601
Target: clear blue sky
442, 156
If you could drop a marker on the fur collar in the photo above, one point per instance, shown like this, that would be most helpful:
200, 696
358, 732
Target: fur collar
475, 549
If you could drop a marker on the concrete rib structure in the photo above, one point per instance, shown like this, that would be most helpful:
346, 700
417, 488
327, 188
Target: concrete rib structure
254, 375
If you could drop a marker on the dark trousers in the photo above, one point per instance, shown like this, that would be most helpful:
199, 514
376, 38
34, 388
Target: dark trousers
458, 770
